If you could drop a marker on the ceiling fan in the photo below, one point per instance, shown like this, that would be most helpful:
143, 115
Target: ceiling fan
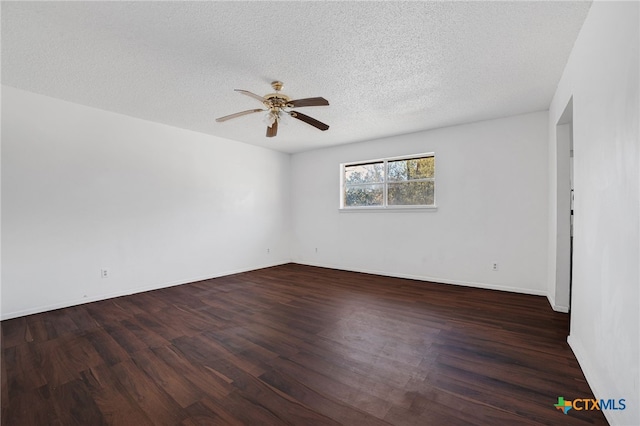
278, 106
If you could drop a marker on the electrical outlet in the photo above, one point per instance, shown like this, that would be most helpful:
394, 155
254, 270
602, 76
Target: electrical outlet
494, 266
316, 249
268, 251
104, 272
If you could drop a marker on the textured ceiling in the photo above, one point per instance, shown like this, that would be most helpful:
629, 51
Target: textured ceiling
387, 68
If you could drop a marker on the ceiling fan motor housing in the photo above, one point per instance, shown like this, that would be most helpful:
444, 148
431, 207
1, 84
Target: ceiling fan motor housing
277, 101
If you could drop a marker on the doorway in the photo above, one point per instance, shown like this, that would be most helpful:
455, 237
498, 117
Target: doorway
565, 208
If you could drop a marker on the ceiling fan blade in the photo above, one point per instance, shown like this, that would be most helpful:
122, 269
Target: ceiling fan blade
252, 95
309, 120
237, 114
273, 130
308, 102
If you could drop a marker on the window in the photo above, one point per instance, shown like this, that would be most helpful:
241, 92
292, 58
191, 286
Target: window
389, 183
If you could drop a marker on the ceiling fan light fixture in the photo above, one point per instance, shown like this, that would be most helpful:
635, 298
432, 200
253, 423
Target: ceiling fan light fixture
270, 117
279, 115
283, 117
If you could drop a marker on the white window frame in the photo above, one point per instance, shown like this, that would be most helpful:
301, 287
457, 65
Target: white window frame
385, 184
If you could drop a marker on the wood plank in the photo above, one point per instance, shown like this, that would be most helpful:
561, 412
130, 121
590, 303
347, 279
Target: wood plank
154, 401
176, 385
108, 349
14, 332
74, 405
328, 405
125, 338
24, 368
201, 414
115, 403
206, 380
62, 359
357, 398
32, 407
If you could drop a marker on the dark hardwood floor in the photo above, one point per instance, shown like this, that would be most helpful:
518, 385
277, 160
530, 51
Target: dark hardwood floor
294, 345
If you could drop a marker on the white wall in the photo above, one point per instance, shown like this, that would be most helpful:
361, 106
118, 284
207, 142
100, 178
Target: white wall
602, 76
491, 193
84, 189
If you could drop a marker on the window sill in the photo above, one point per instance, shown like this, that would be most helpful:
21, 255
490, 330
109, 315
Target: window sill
387, 209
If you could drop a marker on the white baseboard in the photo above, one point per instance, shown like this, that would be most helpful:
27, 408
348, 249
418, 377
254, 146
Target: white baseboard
68, 303
426, 278
599, 387
557, 308
105, 296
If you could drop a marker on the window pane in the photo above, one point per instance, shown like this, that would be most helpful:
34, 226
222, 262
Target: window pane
367, 195
414, 168
364, 173
411, 193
